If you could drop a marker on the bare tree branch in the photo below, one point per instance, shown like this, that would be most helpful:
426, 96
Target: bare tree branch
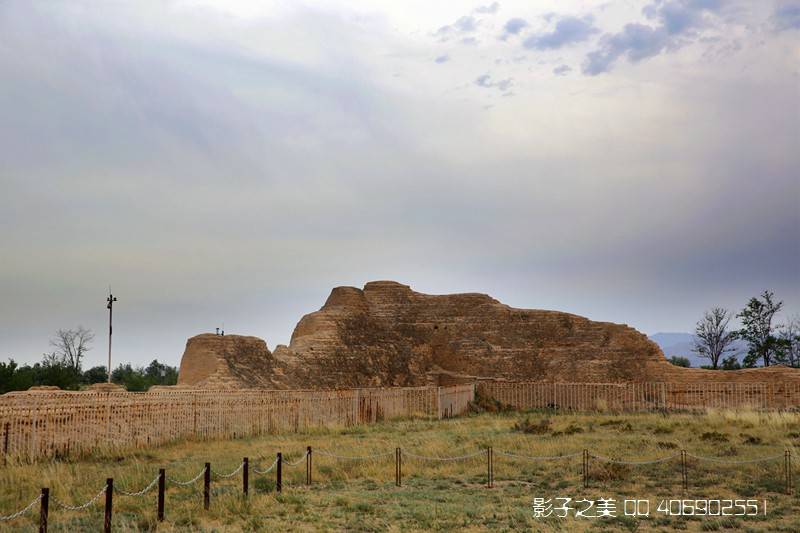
71, 345
712, 338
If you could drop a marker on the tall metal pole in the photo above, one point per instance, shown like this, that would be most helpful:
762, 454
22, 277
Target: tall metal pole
111, 299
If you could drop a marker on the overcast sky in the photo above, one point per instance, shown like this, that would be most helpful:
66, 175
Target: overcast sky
231, 162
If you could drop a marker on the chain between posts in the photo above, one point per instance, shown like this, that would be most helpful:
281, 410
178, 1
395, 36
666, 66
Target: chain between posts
454, 458
353, 457
80, 507
268, 470
190, 482
21, 511
633, 463
302, 458
161, 479
230, 474
141, 492
731, 462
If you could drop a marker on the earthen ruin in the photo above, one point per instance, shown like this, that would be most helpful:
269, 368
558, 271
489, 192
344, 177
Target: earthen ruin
389, 335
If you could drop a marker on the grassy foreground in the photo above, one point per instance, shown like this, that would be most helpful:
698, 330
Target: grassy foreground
361, 495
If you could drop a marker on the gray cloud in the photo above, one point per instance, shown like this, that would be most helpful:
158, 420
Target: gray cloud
562, 70
514, 26
676, 21
485, 81
636, 41
787, 16
462, 25
442, 59
492, 8
680, 16
568, 30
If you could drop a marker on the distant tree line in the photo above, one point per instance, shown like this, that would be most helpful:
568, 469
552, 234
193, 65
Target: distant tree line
768, 342
63, 368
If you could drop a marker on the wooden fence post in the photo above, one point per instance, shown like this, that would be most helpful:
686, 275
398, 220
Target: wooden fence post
245, 476
585, 469
787, 466
489, 467
278, 482
207, 487
308, 465
683, 471
5, 442
398, 467
162, 483
109, 503
44, 506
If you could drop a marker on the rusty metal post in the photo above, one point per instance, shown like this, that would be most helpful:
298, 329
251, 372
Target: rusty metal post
207, 487
308, 465
278, 482
109, 503
162, 484
44, 507
245, 476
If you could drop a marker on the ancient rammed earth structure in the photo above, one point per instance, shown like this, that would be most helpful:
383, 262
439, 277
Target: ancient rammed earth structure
389, 335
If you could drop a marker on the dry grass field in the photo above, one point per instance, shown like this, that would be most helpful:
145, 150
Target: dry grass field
360, 495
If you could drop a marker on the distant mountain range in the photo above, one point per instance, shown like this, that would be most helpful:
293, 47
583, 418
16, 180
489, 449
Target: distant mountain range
681, 344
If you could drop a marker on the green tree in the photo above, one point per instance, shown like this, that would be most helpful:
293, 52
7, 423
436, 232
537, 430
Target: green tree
731, 363
757, 329
131, 378
56, 370
141, 378
7, 373
96, 374
680, 361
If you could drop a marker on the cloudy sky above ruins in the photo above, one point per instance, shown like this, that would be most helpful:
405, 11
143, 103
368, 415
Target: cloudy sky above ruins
628, 161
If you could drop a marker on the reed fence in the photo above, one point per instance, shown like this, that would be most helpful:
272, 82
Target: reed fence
642, 396
46, 424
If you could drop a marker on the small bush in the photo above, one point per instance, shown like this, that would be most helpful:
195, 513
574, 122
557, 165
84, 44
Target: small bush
750, 439
714, 436
680, 361
264, 484
600, 471
539, 428
486, 404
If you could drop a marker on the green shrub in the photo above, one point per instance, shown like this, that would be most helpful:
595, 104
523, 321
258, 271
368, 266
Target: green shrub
526, 426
